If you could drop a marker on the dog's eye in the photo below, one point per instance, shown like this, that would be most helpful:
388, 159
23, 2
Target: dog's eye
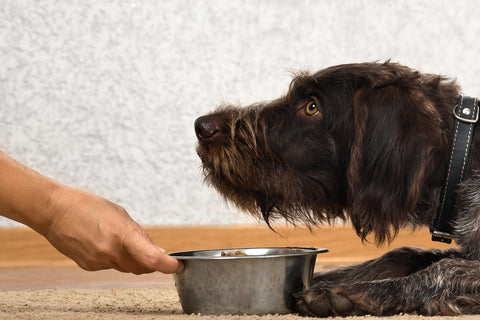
311, 108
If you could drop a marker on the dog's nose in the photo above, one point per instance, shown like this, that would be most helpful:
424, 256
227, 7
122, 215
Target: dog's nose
209, 127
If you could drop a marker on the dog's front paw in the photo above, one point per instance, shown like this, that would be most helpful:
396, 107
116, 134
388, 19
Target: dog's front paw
323, 302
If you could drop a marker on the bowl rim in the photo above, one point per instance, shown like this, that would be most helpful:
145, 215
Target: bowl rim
187, 255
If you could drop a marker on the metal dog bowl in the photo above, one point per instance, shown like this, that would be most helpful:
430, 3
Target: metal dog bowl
261, 282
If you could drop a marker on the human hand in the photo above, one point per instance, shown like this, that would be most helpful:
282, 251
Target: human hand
98, 234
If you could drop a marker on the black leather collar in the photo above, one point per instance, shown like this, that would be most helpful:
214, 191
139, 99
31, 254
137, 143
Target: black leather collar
466, 114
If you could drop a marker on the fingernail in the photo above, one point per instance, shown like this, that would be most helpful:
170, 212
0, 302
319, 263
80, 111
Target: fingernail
163, 250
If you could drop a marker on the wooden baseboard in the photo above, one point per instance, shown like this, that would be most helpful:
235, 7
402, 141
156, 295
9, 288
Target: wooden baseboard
23, 247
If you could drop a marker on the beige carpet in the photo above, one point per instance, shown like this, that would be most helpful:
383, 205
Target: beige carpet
158, 303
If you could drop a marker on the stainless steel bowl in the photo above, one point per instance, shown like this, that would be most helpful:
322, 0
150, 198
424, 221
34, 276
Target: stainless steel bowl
261, 282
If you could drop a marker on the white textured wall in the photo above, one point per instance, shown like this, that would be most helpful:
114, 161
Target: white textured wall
103, 94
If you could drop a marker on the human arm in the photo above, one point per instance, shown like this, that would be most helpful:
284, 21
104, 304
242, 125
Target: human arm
94, 232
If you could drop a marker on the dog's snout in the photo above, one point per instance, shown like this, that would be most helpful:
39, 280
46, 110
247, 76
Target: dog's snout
208, 127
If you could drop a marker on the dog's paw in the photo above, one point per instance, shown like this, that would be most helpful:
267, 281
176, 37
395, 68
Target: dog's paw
323, 302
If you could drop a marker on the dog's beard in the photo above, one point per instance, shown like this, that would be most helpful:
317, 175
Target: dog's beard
270, 196
235, 176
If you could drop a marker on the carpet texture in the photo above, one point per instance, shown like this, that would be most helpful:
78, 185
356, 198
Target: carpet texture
158, 304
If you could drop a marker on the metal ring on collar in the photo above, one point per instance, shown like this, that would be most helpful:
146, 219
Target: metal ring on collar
472, 109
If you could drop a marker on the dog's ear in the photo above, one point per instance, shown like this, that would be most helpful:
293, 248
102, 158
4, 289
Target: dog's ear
398, 132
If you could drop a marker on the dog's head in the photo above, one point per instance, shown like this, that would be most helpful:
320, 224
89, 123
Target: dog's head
358, 139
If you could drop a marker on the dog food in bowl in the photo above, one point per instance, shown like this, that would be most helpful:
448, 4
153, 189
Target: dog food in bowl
235, 253
257, 281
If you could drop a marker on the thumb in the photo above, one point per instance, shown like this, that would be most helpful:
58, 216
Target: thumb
152, 257
168, 264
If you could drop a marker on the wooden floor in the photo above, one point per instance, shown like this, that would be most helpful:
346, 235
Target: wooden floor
28, 261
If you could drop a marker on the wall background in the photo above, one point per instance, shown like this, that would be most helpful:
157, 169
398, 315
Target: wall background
103, 94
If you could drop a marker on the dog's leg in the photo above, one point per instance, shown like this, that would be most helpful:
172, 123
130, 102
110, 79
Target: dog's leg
394, 264
395, 283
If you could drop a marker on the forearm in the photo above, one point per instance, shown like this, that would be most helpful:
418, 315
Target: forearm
94, 232
25, 195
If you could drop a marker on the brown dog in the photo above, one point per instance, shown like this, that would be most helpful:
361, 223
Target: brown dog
369, 143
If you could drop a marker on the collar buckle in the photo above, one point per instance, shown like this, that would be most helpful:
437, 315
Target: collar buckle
466, 113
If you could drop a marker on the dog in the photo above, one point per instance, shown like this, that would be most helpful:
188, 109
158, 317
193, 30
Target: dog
369, 144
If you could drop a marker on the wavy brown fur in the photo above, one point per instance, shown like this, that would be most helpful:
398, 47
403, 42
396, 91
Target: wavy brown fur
363, 154
375, 152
